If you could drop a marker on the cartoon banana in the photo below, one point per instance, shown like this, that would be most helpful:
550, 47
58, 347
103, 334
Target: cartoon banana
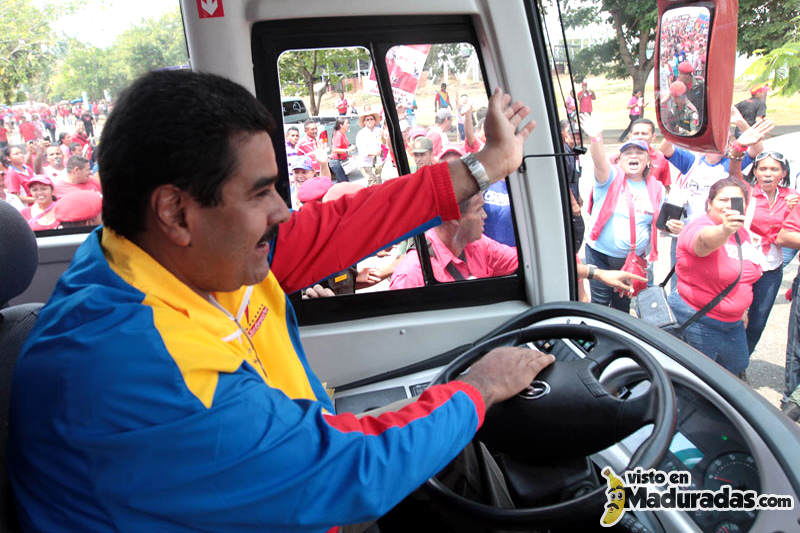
615, 495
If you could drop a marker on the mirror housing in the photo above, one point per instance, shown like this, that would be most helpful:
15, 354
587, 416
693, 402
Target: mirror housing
710, 134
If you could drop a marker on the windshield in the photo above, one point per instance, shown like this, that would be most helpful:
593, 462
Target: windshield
64, 64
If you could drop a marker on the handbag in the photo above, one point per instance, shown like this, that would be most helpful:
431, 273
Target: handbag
634, 263
651, 304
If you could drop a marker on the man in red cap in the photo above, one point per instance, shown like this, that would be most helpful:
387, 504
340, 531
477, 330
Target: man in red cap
678, 113
695, 88
755, 107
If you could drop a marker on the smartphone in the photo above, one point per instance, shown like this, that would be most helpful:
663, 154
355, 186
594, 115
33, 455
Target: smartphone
737, 204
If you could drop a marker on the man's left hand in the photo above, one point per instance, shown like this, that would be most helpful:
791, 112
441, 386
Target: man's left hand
504, 135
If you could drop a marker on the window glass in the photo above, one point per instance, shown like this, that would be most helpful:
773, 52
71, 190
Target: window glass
441, 102
54, 107
336, 130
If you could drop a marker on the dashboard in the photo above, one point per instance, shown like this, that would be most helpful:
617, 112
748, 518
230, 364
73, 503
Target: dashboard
712, 441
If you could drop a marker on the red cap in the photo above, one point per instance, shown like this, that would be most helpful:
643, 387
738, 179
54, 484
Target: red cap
79, 206
454, 149
755, 90
685, 68
40, 178
678, 88
314, 189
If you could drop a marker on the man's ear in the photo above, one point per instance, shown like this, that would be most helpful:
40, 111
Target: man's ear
168, 204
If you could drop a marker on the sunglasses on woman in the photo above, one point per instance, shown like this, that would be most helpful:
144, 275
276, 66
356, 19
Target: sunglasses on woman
777, 156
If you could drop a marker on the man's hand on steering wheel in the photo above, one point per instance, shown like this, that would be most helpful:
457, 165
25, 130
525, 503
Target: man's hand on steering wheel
505, 371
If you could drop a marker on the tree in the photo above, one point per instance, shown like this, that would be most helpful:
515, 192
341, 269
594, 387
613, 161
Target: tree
300, 70
629, 52
764, 23
454, 55
86, 68
151, 44
761, 23
26, 43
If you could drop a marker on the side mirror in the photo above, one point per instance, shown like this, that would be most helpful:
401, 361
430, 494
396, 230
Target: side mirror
696, 52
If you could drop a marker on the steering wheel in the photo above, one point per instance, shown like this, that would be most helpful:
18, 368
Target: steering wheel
566, 412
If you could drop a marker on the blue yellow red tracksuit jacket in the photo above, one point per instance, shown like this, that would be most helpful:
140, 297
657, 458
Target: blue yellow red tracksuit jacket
137, 405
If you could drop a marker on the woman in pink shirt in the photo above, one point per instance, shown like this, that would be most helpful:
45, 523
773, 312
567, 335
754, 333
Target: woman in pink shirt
18, 174
708, 262
41, 214
770, 203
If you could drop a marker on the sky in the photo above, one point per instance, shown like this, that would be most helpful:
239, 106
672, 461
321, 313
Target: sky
101, 21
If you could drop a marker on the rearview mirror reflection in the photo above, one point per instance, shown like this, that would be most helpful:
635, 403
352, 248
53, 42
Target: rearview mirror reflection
682, 69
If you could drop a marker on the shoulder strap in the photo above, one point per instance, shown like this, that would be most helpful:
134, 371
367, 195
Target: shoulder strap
631, 216
450, 268
713, 303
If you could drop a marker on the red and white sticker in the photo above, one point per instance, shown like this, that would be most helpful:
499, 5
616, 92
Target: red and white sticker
207, 9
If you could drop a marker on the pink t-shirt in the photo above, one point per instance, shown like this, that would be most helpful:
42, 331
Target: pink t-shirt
17, 179
483, 258
64, 187
701, 279
637, 107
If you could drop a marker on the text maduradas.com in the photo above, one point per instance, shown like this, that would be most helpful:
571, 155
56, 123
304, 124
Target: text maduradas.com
644, 498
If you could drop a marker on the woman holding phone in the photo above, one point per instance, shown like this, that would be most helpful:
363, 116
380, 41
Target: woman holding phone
708, 261
770, 204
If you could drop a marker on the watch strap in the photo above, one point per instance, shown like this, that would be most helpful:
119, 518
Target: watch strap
477, 171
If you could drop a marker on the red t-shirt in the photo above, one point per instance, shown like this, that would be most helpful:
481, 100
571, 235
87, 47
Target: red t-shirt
342, 106
585, 101
767, 220
701, 279
28, 131
64, 187
308, 146
18, 179
340, 141
3, 135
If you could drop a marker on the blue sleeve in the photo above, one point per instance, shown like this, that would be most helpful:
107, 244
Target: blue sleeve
682, 160
258, 461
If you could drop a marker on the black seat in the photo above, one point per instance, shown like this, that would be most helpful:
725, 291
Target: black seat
19, 258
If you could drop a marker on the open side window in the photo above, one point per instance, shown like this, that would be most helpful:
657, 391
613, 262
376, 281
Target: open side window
376, 110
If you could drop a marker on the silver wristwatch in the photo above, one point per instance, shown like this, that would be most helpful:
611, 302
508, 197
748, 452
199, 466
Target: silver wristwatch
478, 172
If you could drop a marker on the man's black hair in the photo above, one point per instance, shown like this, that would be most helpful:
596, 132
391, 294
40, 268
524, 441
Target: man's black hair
173, 127
293, 128
76, 161
645, 121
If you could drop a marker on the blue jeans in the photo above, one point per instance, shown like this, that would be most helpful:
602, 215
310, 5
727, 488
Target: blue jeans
792, 371
788, 255
601, 293
673, 250
337, 171
764, 292
723, 342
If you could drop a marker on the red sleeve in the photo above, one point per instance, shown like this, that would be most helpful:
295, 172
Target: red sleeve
13, 183
792, 222
323, 238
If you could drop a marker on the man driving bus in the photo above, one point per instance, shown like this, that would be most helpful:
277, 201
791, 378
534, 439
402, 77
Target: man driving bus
165, 387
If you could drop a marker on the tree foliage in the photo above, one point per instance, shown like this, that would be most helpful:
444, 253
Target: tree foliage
765, 23
762, 24
28, 44
454, 55
779, 67
627, 53
301, 70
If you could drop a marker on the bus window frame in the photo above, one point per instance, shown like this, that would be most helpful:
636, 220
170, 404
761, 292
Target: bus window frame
269, 39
